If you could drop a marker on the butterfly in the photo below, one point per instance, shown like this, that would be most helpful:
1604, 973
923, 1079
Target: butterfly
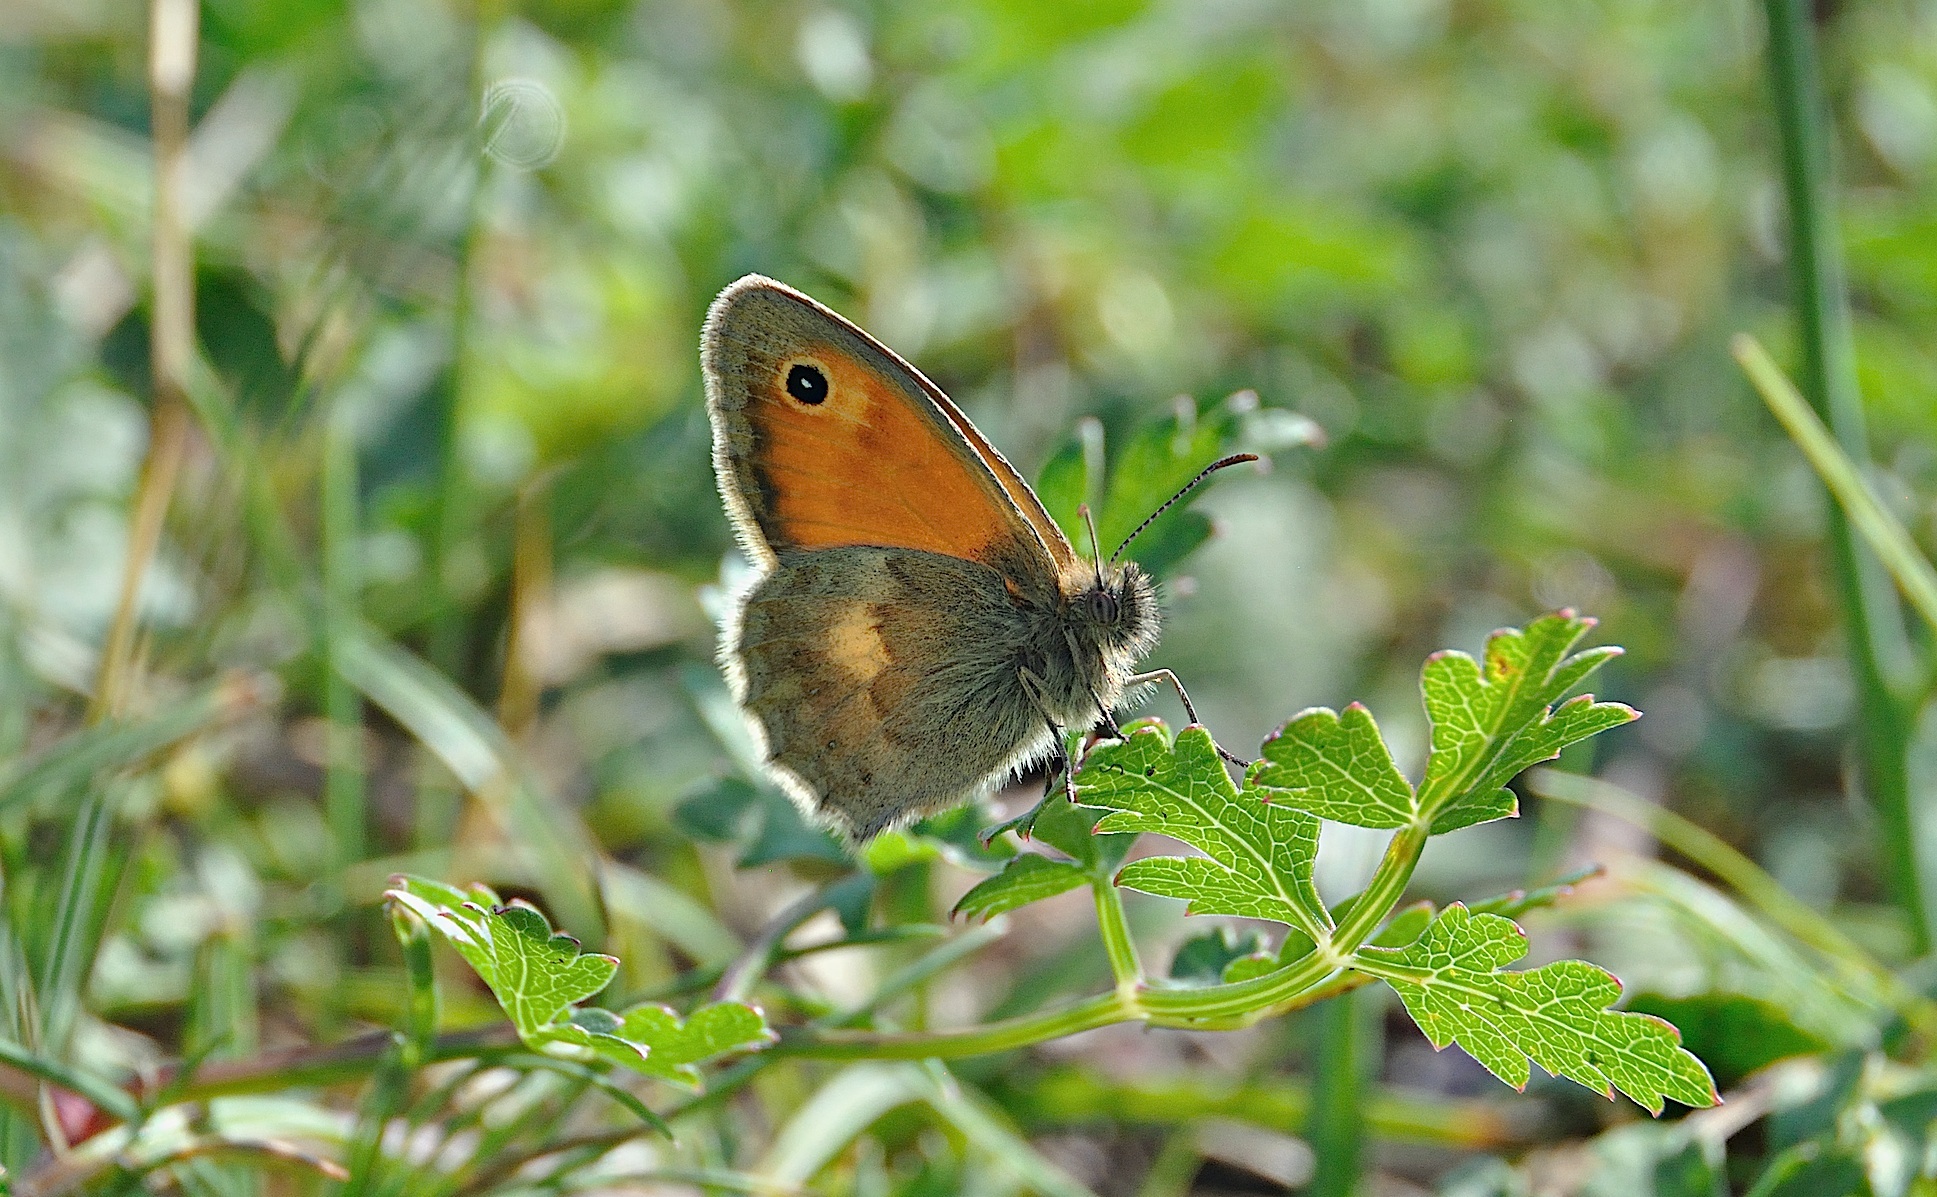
917, 628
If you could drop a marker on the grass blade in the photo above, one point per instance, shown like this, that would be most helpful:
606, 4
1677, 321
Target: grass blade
1875, 523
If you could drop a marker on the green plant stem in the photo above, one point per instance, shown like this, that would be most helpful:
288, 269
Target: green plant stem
1879, 527
1087, 1015
1387, 886
1336, 1127
1114, 929
1871, 617
343, 798
445, 639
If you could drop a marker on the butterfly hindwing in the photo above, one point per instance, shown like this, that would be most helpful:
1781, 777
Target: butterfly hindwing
882, 681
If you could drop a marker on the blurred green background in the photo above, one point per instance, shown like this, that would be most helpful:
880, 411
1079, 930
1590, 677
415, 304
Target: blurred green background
450, 265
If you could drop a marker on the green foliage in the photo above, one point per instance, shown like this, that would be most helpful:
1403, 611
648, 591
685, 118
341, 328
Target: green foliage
1488, 725
1258, 855
1337, 767
1028, 878
434, 589
1451, 983
535, 974
1259, 844
539, 977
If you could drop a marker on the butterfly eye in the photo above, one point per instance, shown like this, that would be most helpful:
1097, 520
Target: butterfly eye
1103, 608
806, 383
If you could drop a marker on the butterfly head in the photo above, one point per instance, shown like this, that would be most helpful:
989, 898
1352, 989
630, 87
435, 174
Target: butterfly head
1115, 609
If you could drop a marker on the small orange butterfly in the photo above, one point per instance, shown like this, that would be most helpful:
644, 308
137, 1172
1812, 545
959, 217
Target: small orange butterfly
918, 628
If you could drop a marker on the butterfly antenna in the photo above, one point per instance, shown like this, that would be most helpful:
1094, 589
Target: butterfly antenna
1096, 550
1207, 471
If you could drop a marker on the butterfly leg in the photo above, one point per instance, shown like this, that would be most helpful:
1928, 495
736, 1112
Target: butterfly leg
1059, 764
1190, 709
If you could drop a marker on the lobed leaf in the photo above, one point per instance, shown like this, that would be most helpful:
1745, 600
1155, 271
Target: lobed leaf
654, 1040
539, 976
1557, 1015
1258, 855
535, 973
1028, 878
1337, 767
1490, 723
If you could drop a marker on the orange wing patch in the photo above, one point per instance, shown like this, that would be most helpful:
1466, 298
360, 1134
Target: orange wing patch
861, 467
823, 438
1012, 482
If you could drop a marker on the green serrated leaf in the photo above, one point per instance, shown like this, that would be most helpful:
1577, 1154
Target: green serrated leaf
1476, 808
1258, 856
1337, 767
1558, 1015
1028, 878
1489, 724
535, 973
673, 1047
539, 976
652, 1039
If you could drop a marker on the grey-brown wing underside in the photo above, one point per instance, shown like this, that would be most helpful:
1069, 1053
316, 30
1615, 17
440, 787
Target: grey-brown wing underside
883, 682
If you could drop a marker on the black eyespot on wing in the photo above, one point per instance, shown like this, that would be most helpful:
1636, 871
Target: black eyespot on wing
807, 384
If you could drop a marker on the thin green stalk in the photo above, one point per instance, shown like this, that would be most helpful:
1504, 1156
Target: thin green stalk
1115, 931
446, 634
1348, 1043
1871, 617
343, 792
69, 949
1879, 527
1387, 886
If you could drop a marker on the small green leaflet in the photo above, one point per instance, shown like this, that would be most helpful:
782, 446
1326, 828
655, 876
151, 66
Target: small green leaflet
535, 975
1337, 767
1557, 1014
539, 977
1490, 725
672, 1047
1258, 856
1028, 878
1487, 726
